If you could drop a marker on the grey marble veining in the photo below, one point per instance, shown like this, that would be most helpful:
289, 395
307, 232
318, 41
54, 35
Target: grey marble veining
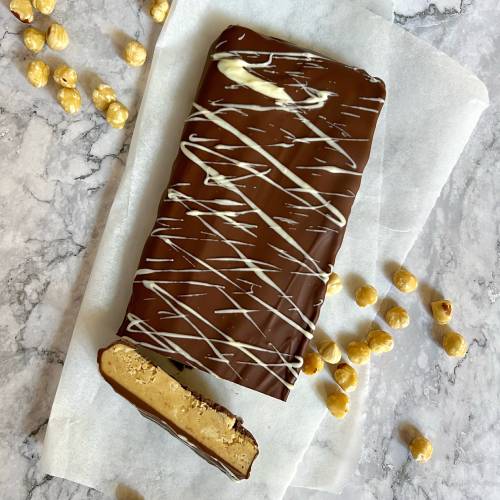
58, 177
427, 12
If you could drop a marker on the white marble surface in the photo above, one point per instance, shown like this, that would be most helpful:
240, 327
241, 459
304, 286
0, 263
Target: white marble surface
58, 178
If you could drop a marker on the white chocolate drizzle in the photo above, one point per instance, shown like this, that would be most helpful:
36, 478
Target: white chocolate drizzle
244, 68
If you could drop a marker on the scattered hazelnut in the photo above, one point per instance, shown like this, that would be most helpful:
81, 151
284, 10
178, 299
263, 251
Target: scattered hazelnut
397, 317
359, 352
65, 76
33, 39
404, 281
69, 99
22, 9
329, 351
346, 376
334, 284
103, 96
57, 37
454, 344
159, 10
338, 404
366, 295
421, 449
117, 114
134, 53
312, 363
38, 73
380, 341
442, 310
44, 6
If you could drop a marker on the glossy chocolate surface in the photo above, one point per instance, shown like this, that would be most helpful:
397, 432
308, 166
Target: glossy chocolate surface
233, 275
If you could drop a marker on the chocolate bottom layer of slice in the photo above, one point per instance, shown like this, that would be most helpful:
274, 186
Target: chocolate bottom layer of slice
208, 428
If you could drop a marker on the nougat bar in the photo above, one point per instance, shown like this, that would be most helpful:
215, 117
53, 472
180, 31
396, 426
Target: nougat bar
209, 429
234, 272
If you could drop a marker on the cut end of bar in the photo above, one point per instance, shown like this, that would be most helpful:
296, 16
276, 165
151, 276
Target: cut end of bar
214, 432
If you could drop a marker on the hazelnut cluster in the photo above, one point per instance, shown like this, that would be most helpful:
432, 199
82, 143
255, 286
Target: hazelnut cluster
378, 342
57, 38
23, 9
104, 98
453, 343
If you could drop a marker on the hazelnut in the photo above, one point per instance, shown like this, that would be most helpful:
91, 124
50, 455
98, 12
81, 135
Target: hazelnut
44, 6
380, 341
330, 352
57, 37
117, 114
397, 317
159, 10
69, 99
421, 449
338, 404
134, 53
454, 344
22, 9
65, 76
404, 281
312, 363
442, 310
346, 376
334, 284
359, 352
366, 295
38, 73
33, 39
103, 96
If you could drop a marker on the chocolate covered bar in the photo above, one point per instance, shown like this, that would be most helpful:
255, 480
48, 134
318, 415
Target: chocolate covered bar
208, 428
233, 274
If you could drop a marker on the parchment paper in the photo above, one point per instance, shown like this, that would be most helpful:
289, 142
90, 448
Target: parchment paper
432, 109
94, 437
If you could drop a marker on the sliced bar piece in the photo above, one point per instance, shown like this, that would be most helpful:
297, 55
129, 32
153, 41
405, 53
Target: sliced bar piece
208, 428
233, 275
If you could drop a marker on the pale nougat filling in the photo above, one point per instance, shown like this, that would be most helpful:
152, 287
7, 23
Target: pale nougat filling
158, 390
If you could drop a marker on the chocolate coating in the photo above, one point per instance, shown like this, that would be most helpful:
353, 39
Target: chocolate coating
233, 276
